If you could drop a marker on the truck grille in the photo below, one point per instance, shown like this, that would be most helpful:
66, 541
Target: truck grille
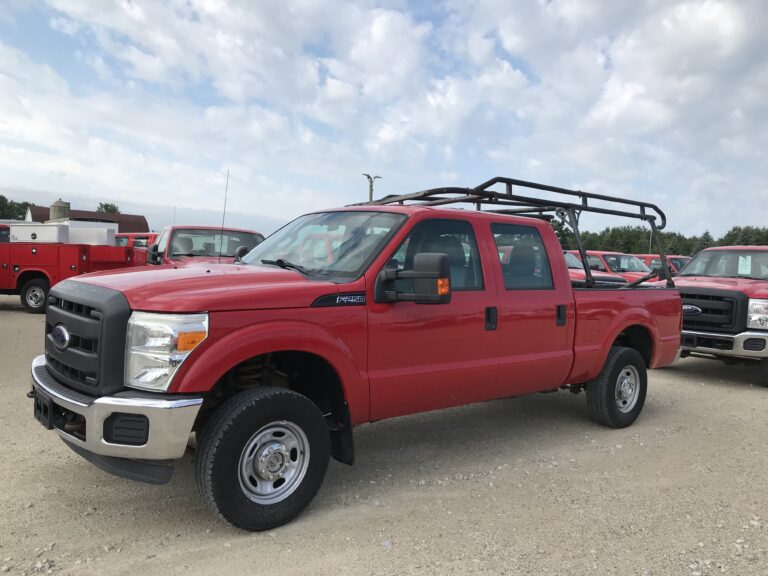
723, 311
94, 320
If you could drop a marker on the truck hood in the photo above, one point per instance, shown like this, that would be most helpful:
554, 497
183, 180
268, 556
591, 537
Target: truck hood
210, 288
752, 288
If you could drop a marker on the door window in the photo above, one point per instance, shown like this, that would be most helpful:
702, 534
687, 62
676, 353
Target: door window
524, 261
452, 237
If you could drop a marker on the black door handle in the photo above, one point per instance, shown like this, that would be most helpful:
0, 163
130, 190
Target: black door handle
491, 318
560, 315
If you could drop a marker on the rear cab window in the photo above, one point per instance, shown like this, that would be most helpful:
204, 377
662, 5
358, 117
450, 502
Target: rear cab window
524, 260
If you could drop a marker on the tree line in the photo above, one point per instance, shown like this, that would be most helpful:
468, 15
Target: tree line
636, 239
12, 210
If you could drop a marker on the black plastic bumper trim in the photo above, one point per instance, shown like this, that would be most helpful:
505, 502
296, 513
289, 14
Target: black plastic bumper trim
150, 472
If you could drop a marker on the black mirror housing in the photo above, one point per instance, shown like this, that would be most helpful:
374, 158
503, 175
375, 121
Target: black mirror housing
240, 252
431, 281
153, 255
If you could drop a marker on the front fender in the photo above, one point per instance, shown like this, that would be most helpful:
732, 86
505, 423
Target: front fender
225, 349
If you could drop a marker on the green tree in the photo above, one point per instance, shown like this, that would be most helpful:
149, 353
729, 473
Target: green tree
108, 207
705, 241
11, 210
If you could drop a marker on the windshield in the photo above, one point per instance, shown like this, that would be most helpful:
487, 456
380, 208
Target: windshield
625, 263
572, 261
210, 243
729, 264
333, 244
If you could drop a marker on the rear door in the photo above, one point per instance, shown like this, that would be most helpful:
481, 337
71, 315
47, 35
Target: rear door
427, 356
536, 312
5, 266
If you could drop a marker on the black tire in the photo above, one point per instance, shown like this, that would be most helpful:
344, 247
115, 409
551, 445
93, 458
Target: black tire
34, 295
239, 423
762, 374
617, 408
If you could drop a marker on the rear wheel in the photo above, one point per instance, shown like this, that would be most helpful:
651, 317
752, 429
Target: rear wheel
34, 295
616, 397
262, 458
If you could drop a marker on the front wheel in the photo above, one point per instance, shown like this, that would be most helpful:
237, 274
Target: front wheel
34, 295
616, 397
262, 458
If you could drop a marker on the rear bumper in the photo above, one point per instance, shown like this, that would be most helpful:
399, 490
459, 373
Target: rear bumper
169, 419
748, 345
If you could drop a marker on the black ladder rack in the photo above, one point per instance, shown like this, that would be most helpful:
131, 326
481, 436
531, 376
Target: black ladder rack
509, 201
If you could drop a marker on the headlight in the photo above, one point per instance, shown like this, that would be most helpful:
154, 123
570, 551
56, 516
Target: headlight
157, 344
757, 316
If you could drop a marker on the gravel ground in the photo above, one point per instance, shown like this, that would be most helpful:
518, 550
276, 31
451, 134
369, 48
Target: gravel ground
519, 486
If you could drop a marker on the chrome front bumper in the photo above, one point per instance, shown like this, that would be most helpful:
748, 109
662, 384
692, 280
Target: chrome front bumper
731, 345
170, 420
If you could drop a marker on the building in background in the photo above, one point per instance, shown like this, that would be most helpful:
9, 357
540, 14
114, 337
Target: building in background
60, 212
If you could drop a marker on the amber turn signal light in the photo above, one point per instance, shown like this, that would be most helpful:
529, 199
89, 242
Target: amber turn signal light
188, 341
443, 286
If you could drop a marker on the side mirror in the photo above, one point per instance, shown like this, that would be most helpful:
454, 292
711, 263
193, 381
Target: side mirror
431, 281
153, 256
240, 252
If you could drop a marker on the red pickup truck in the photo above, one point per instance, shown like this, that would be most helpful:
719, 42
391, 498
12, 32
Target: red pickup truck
272, 361
725, 306
181, 245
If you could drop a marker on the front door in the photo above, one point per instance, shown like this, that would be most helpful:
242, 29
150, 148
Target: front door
428, 356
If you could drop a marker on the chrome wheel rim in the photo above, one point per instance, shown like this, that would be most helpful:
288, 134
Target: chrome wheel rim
35, 297
627, 389
274, 462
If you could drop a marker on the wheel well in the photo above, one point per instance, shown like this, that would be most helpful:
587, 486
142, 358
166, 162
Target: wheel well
302, 372
639, 338
25, 277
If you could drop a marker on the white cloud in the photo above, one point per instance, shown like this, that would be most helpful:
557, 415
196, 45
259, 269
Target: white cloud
658, 99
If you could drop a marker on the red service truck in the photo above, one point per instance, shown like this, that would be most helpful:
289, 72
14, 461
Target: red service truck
273, 360
29, 269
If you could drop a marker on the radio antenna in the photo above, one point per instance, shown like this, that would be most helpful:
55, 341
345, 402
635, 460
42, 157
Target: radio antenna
223, 216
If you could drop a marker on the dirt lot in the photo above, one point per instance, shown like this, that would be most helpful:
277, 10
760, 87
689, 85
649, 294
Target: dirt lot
520, 486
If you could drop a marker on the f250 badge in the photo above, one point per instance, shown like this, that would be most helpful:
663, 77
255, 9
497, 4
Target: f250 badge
351, 299
691, 310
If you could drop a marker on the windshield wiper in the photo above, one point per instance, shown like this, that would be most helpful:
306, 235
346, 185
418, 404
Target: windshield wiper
177, 254
285, 264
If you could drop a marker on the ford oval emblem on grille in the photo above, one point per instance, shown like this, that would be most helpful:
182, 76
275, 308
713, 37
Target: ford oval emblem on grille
691, 310
60, 337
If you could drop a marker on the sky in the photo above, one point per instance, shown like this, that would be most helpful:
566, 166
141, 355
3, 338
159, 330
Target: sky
148, 104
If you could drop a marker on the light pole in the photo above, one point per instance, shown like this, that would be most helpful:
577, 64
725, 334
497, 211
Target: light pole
370, 185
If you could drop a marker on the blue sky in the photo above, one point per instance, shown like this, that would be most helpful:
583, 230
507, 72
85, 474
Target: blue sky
148, 104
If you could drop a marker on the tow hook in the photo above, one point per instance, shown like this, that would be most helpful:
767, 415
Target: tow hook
32, 394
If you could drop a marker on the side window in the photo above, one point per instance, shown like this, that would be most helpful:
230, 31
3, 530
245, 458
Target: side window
452, 237
596, 264
162, 242
523, 258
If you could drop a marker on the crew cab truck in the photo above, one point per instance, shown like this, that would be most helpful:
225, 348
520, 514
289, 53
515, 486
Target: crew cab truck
182, 245
272, 361
725, 306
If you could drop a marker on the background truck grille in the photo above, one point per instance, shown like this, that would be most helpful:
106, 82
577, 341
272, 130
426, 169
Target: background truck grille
723, 311
96, 319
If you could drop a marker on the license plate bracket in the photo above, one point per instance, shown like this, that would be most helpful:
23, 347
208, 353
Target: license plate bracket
43, 409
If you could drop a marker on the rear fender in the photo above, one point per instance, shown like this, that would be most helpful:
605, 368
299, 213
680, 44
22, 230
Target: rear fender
591, 356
